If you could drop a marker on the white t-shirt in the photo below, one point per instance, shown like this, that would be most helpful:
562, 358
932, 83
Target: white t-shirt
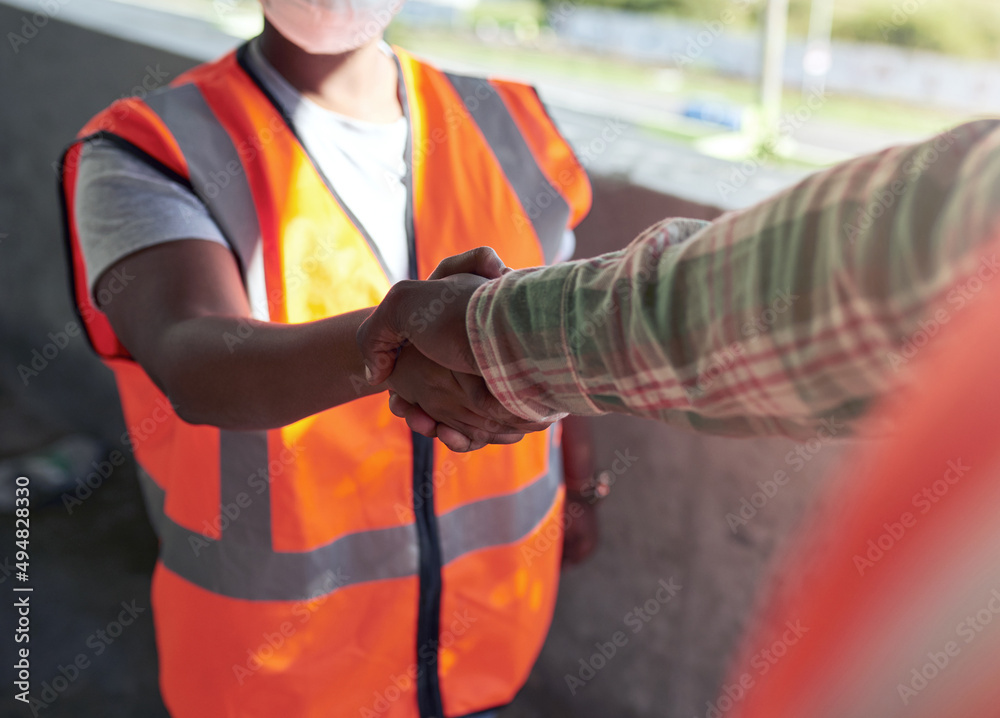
123, 205
364, 162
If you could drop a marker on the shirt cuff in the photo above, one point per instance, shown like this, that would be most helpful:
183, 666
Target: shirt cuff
528, 369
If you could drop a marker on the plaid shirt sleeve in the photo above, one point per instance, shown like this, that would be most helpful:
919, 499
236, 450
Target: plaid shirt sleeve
766, 321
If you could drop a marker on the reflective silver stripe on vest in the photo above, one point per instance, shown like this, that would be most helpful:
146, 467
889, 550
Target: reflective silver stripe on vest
218, 177
216, 172
498, 520
546, 208
254, 573
243, 466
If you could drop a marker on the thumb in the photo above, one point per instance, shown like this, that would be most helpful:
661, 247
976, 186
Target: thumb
381, 335
482, 261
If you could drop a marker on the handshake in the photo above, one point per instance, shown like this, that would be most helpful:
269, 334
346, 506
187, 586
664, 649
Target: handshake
417, 344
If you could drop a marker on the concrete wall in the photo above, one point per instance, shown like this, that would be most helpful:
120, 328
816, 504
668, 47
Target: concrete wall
664, 520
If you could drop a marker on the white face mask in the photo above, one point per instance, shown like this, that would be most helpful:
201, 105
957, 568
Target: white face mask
330, 27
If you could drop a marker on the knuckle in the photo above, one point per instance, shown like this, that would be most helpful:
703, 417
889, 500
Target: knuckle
444, 268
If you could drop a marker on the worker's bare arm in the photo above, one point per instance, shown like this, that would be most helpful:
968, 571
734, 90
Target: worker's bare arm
184, 316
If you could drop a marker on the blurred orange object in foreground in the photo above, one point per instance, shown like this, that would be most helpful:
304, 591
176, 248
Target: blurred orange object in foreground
895, 608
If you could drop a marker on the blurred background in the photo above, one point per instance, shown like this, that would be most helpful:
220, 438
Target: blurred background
675, 107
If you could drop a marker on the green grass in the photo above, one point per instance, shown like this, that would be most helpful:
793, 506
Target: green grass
867, 112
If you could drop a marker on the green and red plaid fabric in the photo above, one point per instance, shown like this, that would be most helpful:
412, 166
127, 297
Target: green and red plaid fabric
768, 320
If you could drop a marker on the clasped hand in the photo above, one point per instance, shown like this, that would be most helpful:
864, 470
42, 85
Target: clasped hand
416, 342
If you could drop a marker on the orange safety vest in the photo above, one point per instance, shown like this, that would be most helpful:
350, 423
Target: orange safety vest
889, 596
342, 566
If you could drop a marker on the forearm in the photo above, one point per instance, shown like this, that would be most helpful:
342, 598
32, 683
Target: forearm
766, 321
245, 374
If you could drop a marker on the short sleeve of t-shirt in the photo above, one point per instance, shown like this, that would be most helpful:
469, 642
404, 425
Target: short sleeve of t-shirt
123, 205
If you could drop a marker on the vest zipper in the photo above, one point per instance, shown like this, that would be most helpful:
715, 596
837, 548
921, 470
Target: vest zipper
429, 540
429, 604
